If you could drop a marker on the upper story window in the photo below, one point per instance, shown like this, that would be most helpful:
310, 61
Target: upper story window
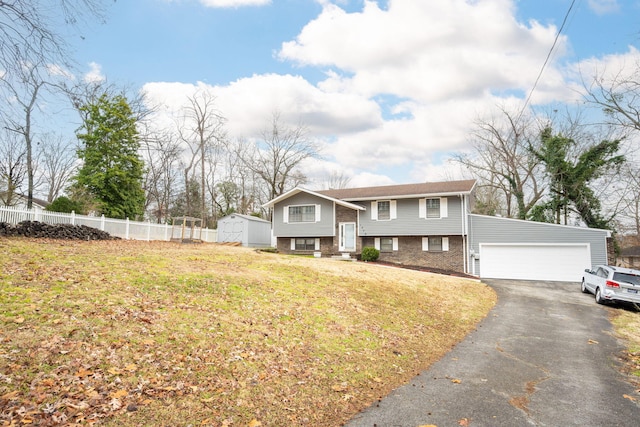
302, 213
384, 210
435, 207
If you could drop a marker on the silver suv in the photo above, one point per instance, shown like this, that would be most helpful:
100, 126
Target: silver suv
610, 283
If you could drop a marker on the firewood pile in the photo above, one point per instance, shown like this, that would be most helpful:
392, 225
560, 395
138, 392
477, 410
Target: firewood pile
53, 231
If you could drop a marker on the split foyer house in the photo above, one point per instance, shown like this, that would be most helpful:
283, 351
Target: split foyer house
415, 224
430, 224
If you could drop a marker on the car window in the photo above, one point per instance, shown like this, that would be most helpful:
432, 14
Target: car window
602, 272
627, 278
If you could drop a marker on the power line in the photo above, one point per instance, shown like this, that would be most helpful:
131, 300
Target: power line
546, 61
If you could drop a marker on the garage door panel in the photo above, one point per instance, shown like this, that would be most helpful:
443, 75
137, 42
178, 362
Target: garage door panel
557, 262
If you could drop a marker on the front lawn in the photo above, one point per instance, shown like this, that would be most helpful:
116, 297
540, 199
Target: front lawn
125, 333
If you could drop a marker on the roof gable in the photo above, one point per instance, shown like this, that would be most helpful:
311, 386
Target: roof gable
298, 190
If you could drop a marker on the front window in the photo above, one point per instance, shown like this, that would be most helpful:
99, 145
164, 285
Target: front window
435, 243
384, 210
305, 244
302, 213
386, 244
433, 208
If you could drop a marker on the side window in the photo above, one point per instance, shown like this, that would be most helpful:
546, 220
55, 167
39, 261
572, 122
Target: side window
301, 214
386, 244
384, 210
433, 208
305, 244
435, 243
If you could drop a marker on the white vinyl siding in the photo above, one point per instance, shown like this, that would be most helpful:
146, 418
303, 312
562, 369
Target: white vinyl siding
433, 208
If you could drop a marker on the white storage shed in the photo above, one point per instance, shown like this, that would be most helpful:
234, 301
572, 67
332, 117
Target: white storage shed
250, 231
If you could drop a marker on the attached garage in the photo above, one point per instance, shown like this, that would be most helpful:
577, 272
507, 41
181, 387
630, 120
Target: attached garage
556, 262
504, 248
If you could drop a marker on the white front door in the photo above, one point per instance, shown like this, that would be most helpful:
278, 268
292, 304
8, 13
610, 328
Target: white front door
347, 237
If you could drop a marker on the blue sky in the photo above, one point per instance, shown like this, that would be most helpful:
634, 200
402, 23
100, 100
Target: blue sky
390, 88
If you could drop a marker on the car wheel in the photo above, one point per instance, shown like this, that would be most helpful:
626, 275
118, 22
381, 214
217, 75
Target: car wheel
599, 299
583, 288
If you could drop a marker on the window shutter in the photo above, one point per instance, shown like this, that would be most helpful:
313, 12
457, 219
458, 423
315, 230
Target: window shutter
317, 247
422, 208
425, 243
376, 243
293, 244
285, 214
444, 211
445, 243
318, 213
393, 211
374, 211
395, 243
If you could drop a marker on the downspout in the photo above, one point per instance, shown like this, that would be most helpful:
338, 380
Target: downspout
465, 249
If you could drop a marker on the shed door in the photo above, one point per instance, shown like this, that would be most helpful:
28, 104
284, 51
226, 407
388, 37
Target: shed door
231, 230
554, 262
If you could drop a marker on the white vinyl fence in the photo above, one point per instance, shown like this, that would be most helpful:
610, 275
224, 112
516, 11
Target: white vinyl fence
122, 228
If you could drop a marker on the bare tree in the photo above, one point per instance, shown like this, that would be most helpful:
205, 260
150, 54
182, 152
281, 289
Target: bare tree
28, 34
628, 199
278, 155
161, 155
618, 96
245, 180
202, 129
12, 167
24, 94
337, 180
58, 163
503, 162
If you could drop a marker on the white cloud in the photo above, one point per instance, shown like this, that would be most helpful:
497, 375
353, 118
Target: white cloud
602, 7
427, 50
234, 3
55, 70
404, 84
94, 75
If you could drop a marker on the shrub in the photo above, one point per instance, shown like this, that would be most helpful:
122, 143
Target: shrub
64, 204
370, 254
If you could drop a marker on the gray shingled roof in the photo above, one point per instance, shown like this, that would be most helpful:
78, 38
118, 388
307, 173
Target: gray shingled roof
403, 190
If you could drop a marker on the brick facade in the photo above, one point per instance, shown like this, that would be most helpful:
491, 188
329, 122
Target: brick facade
284, 246
410, 253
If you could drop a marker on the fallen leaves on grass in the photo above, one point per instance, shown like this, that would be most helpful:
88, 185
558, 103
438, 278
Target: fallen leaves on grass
153, 333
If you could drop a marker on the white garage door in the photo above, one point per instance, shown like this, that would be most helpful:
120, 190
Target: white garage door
556, 262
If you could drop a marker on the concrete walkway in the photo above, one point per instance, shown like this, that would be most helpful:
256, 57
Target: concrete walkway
544, 356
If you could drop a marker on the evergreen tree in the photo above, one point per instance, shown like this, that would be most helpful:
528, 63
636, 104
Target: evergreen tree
112, 170
570, 178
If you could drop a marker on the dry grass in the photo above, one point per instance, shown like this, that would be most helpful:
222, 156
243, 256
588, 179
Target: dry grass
627, 327
154, 333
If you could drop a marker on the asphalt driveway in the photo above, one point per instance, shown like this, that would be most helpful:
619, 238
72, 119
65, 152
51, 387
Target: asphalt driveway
544, 356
